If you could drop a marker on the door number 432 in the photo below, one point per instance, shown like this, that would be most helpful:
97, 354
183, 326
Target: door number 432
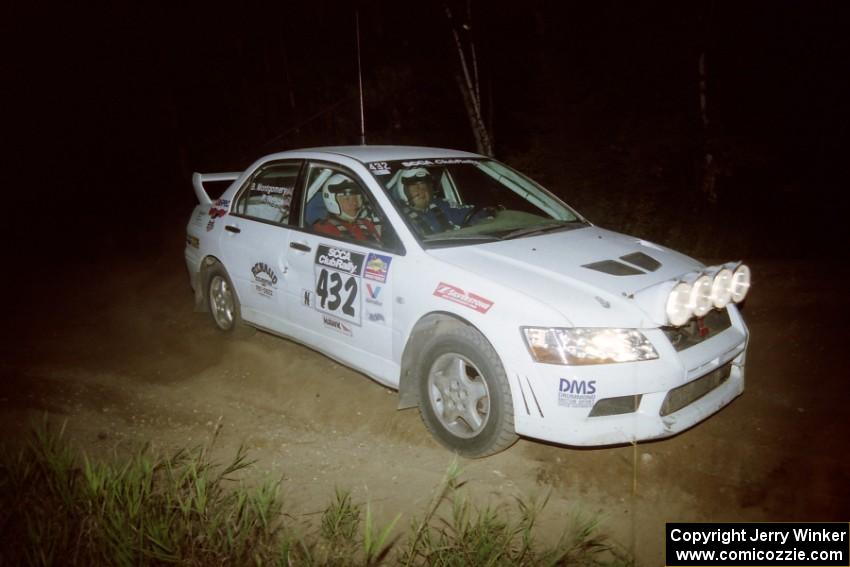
337, 293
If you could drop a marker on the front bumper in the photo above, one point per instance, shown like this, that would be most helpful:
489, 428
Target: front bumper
621, 403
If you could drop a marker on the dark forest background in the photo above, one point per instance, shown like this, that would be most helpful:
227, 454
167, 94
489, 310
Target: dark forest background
113, 106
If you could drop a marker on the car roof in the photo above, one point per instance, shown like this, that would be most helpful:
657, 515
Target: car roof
367, 154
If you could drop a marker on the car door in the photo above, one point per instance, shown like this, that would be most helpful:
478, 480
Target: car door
343, 299
255, 241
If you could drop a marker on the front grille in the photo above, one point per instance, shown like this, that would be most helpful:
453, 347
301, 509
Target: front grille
677, 398
698, 330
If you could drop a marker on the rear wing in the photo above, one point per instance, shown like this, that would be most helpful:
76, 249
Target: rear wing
198, 180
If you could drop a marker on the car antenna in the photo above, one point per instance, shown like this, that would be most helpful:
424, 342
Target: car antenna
360, 80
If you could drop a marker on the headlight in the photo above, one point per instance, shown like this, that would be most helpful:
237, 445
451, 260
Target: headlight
740, 283
721, 288
578, 346
679, 307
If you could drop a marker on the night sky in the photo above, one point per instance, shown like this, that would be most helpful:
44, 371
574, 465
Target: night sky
113, 107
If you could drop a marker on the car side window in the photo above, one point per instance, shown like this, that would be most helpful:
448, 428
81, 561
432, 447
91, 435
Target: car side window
337, 204
268, 194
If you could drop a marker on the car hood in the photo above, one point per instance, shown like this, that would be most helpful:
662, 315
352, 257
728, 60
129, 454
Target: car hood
592, 276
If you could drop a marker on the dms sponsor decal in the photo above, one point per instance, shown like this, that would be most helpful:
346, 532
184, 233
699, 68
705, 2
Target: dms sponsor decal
376, 317
336, 325
265, 279
576, 393
377, 266
223, 203
457, 295
372, 293
340, 259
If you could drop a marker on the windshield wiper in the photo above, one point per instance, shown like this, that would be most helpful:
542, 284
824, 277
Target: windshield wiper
535, 230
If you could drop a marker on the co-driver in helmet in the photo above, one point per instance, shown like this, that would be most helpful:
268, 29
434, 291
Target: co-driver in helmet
430, 215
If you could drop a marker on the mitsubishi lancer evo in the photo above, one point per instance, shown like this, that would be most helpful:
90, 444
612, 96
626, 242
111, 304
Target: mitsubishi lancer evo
479, 295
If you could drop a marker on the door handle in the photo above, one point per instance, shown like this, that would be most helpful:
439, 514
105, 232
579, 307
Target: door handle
299, 246
233, 229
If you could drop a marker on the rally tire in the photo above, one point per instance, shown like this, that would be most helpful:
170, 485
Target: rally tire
464, 396
223, 303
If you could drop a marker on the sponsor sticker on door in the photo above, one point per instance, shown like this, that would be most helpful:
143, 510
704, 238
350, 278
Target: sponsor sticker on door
336, 325
265, 279
377, 266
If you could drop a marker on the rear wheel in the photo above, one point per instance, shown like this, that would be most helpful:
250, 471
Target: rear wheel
465, 398
223, 303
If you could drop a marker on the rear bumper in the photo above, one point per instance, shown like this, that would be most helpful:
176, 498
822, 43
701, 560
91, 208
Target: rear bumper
193, 264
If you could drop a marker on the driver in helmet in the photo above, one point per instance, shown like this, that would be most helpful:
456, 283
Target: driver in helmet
430, 215
344, 202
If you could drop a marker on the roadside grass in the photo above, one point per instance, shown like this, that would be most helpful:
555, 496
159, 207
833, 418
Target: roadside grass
59, 508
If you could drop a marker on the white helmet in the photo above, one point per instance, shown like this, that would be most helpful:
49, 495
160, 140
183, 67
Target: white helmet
409, 177
336, 185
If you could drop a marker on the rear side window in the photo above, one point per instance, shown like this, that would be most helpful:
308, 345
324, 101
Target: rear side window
268, 195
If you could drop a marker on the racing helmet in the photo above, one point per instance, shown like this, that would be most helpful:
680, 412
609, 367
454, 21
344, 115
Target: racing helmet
409, 177
336, 185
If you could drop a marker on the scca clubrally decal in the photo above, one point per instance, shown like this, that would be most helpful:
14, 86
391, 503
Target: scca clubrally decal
338, 282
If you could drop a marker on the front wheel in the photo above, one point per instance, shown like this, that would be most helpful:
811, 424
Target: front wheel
465, 399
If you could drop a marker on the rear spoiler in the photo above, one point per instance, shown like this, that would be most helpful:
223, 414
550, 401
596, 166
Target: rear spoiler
198, 180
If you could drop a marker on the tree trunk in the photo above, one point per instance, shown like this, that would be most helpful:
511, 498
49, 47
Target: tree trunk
471, 94
708, 177
479, 130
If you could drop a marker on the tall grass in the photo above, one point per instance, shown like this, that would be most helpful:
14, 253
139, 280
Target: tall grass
59, 509
500, 535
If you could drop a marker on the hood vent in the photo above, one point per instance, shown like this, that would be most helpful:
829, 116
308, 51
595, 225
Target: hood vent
614, 268
642, 260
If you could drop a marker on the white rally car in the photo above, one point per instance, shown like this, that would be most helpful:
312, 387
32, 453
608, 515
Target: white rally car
476, 293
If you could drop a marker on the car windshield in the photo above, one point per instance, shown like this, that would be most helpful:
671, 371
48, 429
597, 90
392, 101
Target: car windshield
453, 202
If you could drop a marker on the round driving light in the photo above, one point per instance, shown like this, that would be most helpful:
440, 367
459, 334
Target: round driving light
740, 283
721, 288
678, 307
701, 296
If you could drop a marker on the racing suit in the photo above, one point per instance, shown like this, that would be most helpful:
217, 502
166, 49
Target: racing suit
362, 230
440, 216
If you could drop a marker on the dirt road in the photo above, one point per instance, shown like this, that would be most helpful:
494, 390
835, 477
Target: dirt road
115, 349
